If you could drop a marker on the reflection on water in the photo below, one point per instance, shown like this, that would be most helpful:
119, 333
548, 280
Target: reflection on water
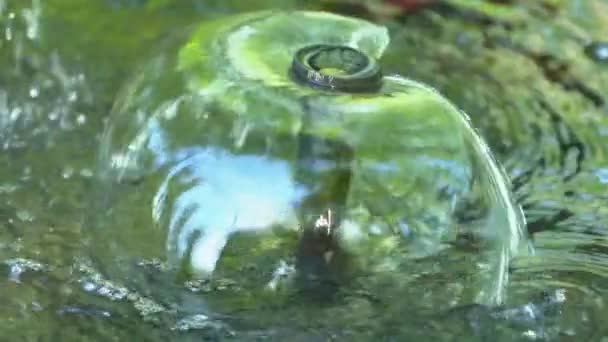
55, 93
227, 194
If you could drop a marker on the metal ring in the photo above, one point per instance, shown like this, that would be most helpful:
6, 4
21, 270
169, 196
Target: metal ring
336, 67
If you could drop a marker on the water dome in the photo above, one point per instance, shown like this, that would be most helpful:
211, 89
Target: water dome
270, 152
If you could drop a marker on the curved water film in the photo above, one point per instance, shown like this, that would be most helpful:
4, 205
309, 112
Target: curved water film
308, 194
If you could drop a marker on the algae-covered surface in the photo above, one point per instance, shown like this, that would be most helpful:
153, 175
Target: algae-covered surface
532, 75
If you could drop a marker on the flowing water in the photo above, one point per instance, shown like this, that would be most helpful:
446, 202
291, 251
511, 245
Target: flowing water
526, 74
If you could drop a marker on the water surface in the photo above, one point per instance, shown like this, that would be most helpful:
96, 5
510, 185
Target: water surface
520, 71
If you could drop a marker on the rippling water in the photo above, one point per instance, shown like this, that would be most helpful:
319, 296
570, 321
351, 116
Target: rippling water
521, 72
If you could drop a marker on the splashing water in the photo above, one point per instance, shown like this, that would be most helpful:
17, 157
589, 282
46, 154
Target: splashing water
287, 190
56, 92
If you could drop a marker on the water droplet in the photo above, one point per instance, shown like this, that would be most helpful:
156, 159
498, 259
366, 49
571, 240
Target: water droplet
34, 92
15, 114
73, 96
598, 51
81, 119
67, 172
